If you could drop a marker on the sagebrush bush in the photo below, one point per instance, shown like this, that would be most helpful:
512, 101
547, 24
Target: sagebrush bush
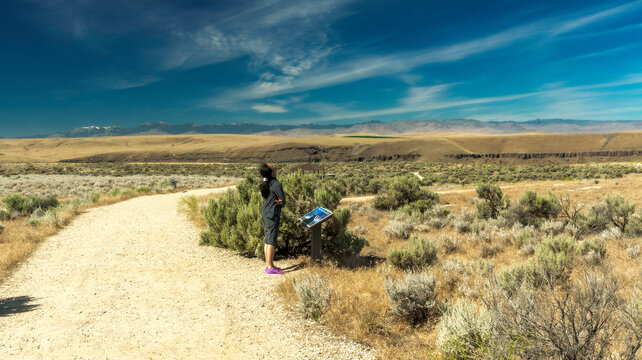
510, 279
618, 211
26, 205
403, 190
633, 251
412, 298
462, 226
491, 201
234, 219
635, 227
314, 294
525, 236
554, 257
595, 244
533, 209
400, 229
483, 267
552, 228
580, 321
418, 253
464, 331
449, 243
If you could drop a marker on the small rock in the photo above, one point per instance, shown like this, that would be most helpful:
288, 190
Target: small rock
1, 228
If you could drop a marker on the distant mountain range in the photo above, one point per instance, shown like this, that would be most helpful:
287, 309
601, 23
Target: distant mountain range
374, 127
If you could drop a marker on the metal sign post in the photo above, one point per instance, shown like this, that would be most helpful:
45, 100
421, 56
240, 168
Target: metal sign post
315, 244
313, 220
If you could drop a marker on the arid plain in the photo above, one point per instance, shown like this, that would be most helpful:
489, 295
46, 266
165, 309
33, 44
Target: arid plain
433, 147
436, 228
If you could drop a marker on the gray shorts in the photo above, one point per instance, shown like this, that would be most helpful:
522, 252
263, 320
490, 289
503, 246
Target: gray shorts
271, 228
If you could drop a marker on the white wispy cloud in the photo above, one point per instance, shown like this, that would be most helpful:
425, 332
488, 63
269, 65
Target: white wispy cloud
374, 66
602, 53
285, 38
575, 23
275, 109
557, 101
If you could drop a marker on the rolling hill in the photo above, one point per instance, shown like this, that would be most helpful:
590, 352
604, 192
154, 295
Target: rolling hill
387, 128
531, 147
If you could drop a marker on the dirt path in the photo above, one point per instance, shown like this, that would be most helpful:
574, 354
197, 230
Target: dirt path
129, 281
368, 198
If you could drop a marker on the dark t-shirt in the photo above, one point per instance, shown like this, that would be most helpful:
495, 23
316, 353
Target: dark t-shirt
270, 209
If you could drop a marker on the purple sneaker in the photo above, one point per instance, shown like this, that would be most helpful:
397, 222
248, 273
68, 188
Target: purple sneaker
274, 271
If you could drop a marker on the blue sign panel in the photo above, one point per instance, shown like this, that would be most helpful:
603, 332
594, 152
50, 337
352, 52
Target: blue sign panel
315, 216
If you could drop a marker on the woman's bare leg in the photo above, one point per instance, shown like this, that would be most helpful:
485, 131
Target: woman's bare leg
269, 255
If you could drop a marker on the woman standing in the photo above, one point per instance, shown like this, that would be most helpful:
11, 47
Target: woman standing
273, 199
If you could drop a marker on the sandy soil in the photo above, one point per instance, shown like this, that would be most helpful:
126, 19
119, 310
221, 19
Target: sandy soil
129, 281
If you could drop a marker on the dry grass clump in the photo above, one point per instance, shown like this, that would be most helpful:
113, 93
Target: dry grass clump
463, 330
412, 298
633, 251
399, 228
314, 294
420, 252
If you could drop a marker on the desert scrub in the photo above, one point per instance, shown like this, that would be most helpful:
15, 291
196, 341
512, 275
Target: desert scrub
314, 294
595, 245
583, 320
73, 185
464, 331
412, 298
449, 243
491, 201
553, 262
633, 251
533, 209
420, 252
26, 205
234, 219
399, 228
190, 207
404, 190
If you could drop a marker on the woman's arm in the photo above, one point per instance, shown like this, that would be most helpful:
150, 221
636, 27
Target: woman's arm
278, 190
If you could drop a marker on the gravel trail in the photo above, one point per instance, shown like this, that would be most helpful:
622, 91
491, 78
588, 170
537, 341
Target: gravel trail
129, 281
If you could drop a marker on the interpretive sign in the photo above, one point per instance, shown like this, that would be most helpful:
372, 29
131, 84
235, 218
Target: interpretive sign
313, 220
315, 216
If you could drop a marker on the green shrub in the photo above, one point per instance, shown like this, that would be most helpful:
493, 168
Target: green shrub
533, 209
143, 190
595, 221
554, 257
553, 262
596, 244
26, 205
511, 279
463, 331
492, 201
412, 298
403, 190
234, 220
635, 227
340, 242
418, 207
419, 252
618, 211
540, 207
314, 294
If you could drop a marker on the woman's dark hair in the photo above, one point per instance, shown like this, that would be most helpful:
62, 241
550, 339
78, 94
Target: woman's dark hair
266, 173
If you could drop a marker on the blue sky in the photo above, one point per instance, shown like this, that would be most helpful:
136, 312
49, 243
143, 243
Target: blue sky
66, 64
